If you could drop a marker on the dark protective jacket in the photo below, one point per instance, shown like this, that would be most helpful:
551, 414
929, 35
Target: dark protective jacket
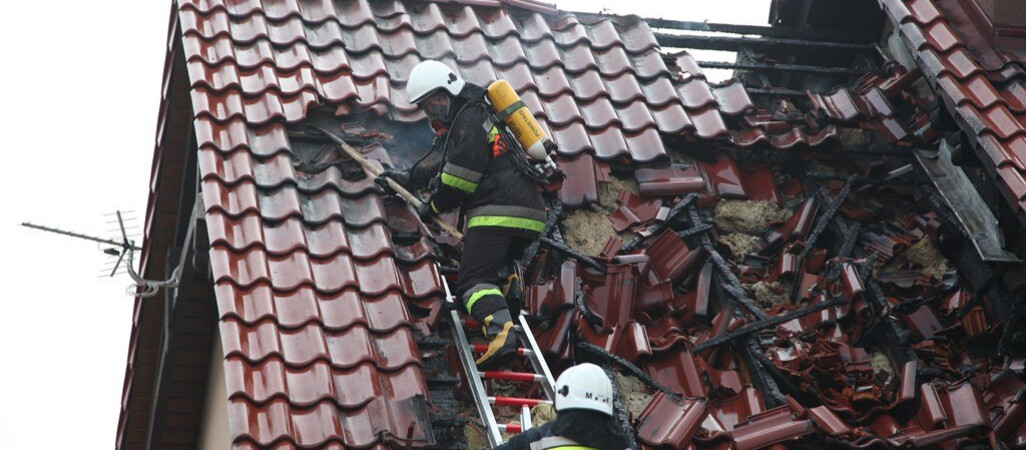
493, 191
579, 430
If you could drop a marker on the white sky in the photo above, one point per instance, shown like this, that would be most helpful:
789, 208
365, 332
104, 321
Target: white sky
81, 90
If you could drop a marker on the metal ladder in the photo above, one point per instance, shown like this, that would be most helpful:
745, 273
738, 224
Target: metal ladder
484, 401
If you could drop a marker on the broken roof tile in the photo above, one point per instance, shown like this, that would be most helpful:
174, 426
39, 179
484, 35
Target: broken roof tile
770, 427
668, 423
670, 256
613, 301
677, 370
672, 181
581, 185
724, 177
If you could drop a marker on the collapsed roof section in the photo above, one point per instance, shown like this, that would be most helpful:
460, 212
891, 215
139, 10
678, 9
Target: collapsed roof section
860, 292
981, 85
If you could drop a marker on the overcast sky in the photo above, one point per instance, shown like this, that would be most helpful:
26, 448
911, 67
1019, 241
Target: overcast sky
81, 87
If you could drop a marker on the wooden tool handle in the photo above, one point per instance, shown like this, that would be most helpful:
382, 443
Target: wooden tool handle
398, 188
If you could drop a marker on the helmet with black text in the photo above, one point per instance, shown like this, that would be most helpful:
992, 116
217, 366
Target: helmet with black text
584, 386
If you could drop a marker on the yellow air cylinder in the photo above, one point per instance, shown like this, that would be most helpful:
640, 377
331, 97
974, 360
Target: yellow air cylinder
520, 121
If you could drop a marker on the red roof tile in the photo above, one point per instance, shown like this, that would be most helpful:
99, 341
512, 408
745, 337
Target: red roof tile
768, 428
668, 423
869, 102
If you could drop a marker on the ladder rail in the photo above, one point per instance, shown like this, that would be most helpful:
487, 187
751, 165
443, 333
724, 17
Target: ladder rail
528, 349
473, 376
541, 367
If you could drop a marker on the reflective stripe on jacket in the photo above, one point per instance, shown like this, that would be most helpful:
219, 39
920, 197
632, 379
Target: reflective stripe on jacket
493, 190
557, 442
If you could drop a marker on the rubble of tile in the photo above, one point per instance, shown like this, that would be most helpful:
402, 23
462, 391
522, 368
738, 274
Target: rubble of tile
842, 322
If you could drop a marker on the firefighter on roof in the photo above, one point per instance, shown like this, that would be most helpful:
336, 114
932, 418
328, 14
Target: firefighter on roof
584, 416
503, 207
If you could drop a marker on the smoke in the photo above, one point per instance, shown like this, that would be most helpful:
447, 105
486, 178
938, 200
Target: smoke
408, 142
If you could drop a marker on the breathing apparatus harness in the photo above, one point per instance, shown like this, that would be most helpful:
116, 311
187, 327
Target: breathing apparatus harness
535, 170
542, 172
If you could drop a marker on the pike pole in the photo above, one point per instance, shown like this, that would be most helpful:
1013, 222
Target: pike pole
375, 172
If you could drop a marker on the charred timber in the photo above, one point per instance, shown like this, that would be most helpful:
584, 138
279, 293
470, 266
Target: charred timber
733, 44
772, 32
771, 322
732, 284
584, 259
761, 30
777, 92
796, 68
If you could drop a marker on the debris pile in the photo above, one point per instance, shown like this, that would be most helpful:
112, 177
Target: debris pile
823, 308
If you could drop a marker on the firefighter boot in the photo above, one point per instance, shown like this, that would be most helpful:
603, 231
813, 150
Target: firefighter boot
513, 290
502, 345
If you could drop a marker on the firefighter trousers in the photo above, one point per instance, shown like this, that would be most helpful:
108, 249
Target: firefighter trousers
486, 251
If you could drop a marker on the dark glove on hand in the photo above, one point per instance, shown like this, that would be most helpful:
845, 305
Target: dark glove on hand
399, 176
425, 212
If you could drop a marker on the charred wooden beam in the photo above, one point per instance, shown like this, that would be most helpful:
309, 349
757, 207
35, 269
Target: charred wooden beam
733, 43
776, 92
761, 30
780, 68
564, 248
764, 324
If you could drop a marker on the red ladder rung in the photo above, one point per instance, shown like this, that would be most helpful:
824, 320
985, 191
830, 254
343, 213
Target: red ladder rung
511, 428
515, 401
514, 376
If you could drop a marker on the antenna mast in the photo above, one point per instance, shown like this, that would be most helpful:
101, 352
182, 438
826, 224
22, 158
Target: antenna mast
125, 251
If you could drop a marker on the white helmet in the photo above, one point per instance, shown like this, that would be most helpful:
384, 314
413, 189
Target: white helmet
430, 76
584, 386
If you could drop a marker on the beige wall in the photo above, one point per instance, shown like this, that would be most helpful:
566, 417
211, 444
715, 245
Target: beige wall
214, 429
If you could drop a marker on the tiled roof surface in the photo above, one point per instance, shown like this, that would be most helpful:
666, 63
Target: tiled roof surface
601, 87
311, 295
311, 288
986, 96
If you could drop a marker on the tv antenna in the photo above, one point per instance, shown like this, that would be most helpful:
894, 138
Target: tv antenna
124, 250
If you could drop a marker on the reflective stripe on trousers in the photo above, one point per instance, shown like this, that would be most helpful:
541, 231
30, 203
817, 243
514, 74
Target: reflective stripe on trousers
479, 291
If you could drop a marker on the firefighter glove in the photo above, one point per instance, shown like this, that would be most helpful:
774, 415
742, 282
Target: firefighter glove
399, 176
426, 212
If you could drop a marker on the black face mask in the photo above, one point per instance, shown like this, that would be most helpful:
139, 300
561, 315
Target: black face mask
438, 110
